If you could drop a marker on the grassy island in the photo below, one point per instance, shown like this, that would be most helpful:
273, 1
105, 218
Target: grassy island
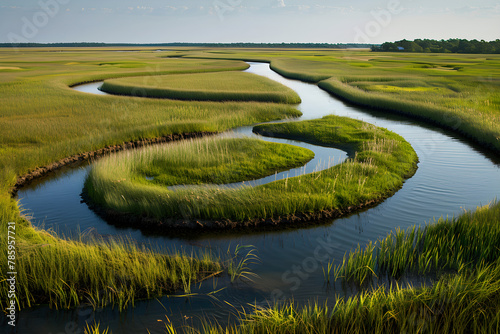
226, 86
380, 161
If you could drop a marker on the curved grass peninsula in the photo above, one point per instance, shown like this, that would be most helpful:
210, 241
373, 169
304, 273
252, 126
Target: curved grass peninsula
222, 86
132, 187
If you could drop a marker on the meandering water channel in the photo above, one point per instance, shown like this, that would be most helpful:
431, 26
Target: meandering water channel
452, 176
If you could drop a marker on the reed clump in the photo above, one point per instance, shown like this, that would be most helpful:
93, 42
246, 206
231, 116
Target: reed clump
64, 273
447, 245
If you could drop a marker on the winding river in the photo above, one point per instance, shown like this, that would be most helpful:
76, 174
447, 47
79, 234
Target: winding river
453, 175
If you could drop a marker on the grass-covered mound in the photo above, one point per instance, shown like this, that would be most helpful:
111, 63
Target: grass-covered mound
199, 161
380, 161
227, 86
215, 161
137, 181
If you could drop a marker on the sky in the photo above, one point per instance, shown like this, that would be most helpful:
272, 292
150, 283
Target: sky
225, 21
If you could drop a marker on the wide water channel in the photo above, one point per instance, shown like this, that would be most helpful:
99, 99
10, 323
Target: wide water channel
453, 175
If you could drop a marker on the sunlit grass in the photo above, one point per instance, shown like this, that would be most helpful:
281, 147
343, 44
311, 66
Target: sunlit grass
380, 161
227, 86
464, 302
453, 105
65, 273
199, 161
95, 329
444, 246
44, 120
238, 265
459, 92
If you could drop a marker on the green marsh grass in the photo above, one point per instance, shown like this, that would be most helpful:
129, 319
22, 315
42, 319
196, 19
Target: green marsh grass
238, 266
327, 271
380, 161
227, 86
206, 160
448, 245
95, 329
43, 120
119, 182
438, 104
466, 301
66, 273
457, 92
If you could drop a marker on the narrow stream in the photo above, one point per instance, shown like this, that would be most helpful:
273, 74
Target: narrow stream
452, 176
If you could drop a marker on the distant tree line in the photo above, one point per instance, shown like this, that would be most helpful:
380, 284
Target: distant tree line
442, 46
208, 45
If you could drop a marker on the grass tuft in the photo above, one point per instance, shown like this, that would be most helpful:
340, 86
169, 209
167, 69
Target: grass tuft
448, 245
97, 272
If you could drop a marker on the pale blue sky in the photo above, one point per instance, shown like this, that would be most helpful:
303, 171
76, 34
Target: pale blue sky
163, 21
